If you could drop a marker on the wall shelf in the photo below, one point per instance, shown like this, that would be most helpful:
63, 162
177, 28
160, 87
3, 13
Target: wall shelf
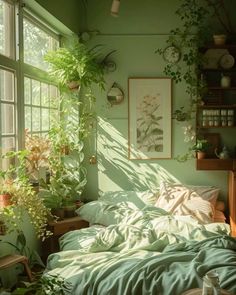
216, 164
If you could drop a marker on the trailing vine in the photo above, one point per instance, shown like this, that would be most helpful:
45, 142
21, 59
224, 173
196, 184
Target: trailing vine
194, 32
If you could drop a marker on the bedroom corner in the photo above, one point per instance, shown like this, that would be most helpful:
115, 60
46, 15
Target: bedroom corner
104, 105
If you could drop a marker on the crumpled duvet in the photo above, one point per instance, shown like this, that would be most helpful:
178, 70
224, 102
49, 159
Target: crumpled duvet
148, 252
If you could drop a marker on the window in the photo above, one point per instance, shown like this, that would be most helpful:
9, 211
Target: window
32, 104
41, 104
7, 111
7, 17
37, 42
40, 97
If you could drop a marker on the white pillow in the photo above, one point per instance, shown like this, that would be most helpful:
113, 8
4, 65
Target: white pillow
140, 199
208, 193
182, 200
104, 213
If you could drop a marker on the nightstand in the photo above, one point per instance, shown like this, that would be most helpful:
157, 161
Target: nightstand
50, 245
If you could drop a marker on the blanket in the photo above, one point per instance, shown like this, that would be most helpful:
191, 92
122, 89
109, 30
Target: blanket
149, 252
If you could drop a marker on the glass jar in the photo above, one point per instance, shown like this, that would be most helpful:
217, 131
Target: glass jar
230, 118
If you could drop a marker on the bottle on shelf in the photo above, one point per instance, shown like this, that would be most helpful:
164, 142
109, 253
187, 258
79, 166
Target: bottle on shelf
225, 81
223, 117
230, 118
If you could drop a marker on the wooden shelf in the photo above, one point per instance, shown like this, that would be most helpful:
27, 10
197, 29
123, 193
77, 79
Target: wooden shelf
221, 88
214, 46
215, 164
217, 106
215, 127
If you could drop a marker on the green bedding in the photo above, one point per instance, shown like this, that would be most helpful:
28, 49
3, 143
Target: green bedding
147, 251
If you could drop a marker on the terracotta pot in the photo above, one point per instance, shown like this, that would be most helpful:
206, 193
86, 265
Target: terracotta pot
5, 200
201, 155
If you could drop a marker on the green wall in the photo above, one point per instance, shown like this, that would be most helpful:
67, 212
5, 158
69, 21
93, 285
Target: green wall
140, 29
70, 13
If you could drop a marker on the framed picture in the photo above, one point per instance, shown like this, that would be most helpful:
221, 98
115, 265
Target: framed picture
150, 108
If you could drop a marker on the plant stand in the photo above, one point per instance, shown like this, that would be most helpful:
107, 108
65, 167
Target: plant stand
10, 260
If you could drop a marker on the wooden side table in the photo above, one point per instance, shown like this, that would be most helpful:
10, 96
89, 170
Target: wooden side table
10, 260
51, 245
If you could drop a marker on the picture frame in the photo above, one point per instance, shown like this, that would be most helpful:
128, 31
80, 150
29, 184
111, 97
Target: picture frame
149, 118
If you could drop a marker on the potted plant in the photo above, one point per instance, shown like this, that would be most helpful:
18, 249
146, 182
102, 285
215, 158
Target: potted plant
200, 147
52, 200
23, 199
5, 193
38, 148
75, 65
66, 184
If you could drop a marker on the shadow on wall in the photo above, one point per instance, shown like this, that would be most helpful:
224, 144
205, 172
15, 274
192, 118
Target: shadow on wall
115, 170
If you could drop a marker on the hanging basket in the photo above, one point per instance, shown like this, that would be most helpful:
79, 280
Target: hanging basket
74, 85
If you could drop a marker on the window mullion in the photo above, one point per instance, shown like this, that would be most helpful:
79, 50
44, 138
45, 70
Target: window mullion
20, 81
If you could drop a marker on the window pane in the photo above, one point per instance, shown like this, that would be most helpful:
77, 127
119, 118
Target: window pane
7, 114
36, 119
6, 29
45, 119
35, 92
45, 95
6, 85
7, 119
27, 90
28, 118
38, 109
36, 44
8, 144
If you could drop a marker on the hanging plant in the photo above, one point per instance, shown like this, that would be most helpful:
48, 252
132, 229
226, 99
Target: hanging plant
75, 65
189, 37
193, 34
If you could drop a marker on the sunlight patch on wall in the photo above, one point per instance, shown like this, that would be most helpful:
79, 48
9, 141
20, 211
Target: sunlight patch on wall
115, 170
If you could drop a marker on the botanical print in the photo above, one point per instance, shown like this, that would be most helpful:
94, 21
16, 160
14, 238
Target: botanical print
149, 118
149, 123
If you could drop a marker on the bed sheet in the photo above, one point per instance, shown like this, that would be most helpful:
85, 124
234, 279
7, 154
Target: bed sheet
148, 252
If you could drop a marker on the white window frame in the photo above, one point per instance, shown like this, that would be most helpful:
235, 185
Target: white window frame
20, 69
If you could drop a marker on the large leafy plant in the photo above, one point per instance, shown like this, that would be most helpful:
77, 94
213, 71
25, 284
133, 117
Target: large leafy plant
75, 63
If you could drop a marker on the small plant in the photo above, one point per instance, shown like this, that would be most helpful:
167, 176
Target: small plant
38, 148
201, 145
44, 285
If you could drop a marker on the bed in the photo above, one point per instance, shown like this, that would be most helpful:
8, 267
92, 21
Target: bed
161, 242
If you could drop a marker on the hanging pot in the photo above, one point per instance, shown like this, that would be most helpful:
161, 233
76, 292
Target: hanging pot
73, 85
